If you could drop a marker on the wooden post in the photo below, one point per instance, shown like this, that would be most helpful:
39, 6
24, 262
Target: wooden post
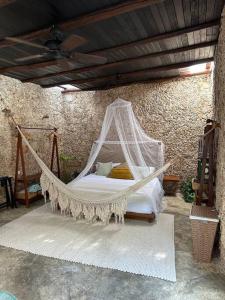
55, 151
208, 156
211, 170
202, 179
17, 166
20, 155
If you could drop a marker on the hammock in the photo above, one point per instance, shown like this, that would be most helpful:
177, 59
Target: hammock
102, 206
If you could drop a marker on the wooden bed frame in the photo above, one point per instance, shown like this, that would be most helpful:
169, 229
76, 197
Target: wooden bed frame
140, 216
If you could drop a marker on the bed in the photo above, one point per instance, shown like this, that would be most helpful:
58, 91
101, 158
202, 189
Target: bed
141, 205
122, 141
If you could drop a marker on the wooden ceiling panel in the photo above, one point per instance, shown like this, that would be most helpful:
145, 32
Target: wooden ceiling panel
99, 85
160, 58
134, 74
74, 8
118, 30
24, 16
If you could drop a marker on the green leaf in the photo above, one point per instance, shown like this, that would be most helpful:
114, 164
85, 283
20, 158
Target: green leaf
187, 191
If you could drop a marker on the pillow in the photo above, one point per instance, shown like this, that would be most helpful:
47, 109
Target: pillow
103, 169
121, 172
94, 167
144, 171
116, 164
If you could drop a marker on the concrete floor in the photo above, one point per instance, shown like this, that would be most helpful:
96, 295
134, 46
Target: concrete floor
32, 277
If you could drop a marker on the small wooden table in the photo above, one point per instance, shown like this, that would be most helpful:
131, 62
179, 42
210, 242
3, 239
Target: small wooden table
170, 184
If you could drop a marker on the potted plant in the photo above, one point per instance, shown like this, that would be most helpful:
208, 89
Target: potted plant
187, 191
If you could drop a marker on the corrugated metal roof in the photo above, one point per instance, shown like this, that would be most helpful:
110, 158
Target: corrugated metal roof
25, 16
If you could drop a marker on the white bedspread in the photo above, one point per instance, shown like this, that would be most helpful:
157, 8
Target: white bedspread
143, 201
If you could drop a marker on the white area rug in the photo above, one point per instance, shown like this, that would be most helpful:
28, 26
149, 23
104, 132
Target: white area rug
136, 247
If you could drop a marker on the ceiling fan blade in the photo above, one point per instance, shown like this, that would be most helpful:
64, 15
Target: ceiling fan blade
72, 42
64, 63
20, 41
30, 57
88, 58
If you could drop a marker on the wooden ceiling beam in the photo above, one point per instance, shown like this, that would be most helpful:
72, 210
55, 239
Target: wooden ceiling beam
22, 68
125, 76
28, 67
41, 65
180, 76
122, 62
87, 19
6, 2
159, 37
107, 87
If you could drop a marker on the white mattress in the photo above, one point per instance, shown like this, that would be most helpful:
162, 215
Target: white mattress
146, 200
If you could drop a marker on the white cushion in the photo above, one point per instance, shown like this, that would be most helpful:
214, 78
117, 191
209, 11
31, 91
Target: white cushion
103, 169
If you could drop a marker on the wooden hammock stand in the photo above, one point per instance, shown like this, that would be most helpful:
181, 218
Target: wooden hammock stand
24, 178
203, 216
204, 185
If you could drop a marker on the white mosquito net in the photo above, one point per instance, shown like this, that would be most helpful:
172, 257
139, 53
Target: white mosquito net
123, 140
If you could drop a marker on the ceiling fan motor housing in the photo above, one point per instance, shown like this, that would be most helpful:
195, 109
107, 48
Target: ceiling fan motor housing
57, 37
53, 44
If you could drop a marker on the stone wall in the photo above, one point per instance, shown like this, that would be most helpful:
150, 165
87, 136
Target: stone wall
220, 116
173, 111
31, 106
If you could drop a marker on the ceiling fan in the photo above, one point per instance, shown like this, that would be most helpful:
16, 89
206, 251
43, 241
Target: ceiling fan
60, 48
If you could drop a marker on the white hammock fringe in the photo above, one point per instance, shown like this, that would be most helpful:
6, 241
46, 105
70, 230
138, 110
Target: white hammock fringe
73, 204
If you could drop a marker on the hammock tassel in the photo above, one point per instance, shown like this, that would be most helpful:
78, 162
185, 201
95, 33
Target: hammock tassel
79, 206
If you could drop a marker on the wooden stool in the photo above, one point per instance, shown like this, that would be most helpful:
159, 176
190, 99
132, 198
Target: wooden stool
170, 184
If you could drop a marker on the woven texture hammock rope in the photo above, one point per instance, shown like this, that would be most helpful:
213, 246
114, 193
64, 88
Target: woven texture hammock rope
121, 139
72, 202
137, 148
